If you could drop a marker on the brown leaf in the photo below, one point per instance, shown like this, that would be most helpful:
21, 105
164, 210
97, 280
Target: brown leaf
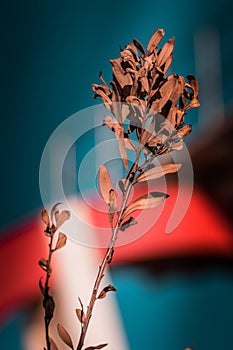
139, 46
102, 79
53, 212
122, 77
166, 52
61, 242
185, 130
193, 104
167, 64
130, 222
149, 200
177, 89
133, 99
81, 316
62, 217
64, 335
101, 91
43, 264
53, 345
45, 217
154, 41
157, 172
194, 84
109, 288
134, 50
176, 145
145, 83
105, 183
170, 90
171, 117
96, 347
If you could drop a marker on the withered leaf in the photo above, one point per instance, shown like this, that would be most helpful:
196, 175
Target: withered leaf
43, 264
154, 41
53, 345
61, 241
130, 222
101, 346
166, 91
185, 130
157, 172
166, 52
53, 211
194, 84
167, 64
139, 46
102, 79
176, 145
101, 91
149, 200
45, 217
133, 49
171, 118
145, 83
64, 335
81, 316
105, 183
123, 78
193, 104
177, 89
62, 217
109, 288
119, 132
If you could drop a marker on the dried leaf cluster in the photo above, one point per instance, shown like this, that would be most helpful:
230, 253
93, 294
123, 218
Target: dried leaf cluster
144, 100
147, 114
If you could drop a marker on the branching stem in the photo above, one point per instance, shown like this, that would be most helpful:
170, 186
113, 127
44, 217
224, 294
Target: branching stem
46, 293
109, 252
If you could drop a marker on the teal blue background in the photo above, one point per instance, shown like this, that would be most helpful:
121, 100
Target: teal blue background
51, 53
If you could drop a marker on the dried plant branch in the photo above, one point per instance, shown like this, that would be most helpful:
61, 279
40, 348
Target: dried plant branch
147, 116
139, 80
107, 258
52, 225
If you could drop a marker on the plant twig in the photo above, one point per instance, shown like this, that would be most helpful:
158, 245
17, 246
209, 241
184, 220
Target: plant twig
47, 297
109, 253
48, 302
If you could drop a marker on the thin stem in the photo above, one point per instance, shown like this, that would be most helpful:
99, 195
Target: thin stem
109, 252
46, 294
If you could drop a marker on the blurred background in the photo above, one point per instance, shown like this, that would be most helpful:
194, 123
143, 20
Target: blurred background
51, 53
